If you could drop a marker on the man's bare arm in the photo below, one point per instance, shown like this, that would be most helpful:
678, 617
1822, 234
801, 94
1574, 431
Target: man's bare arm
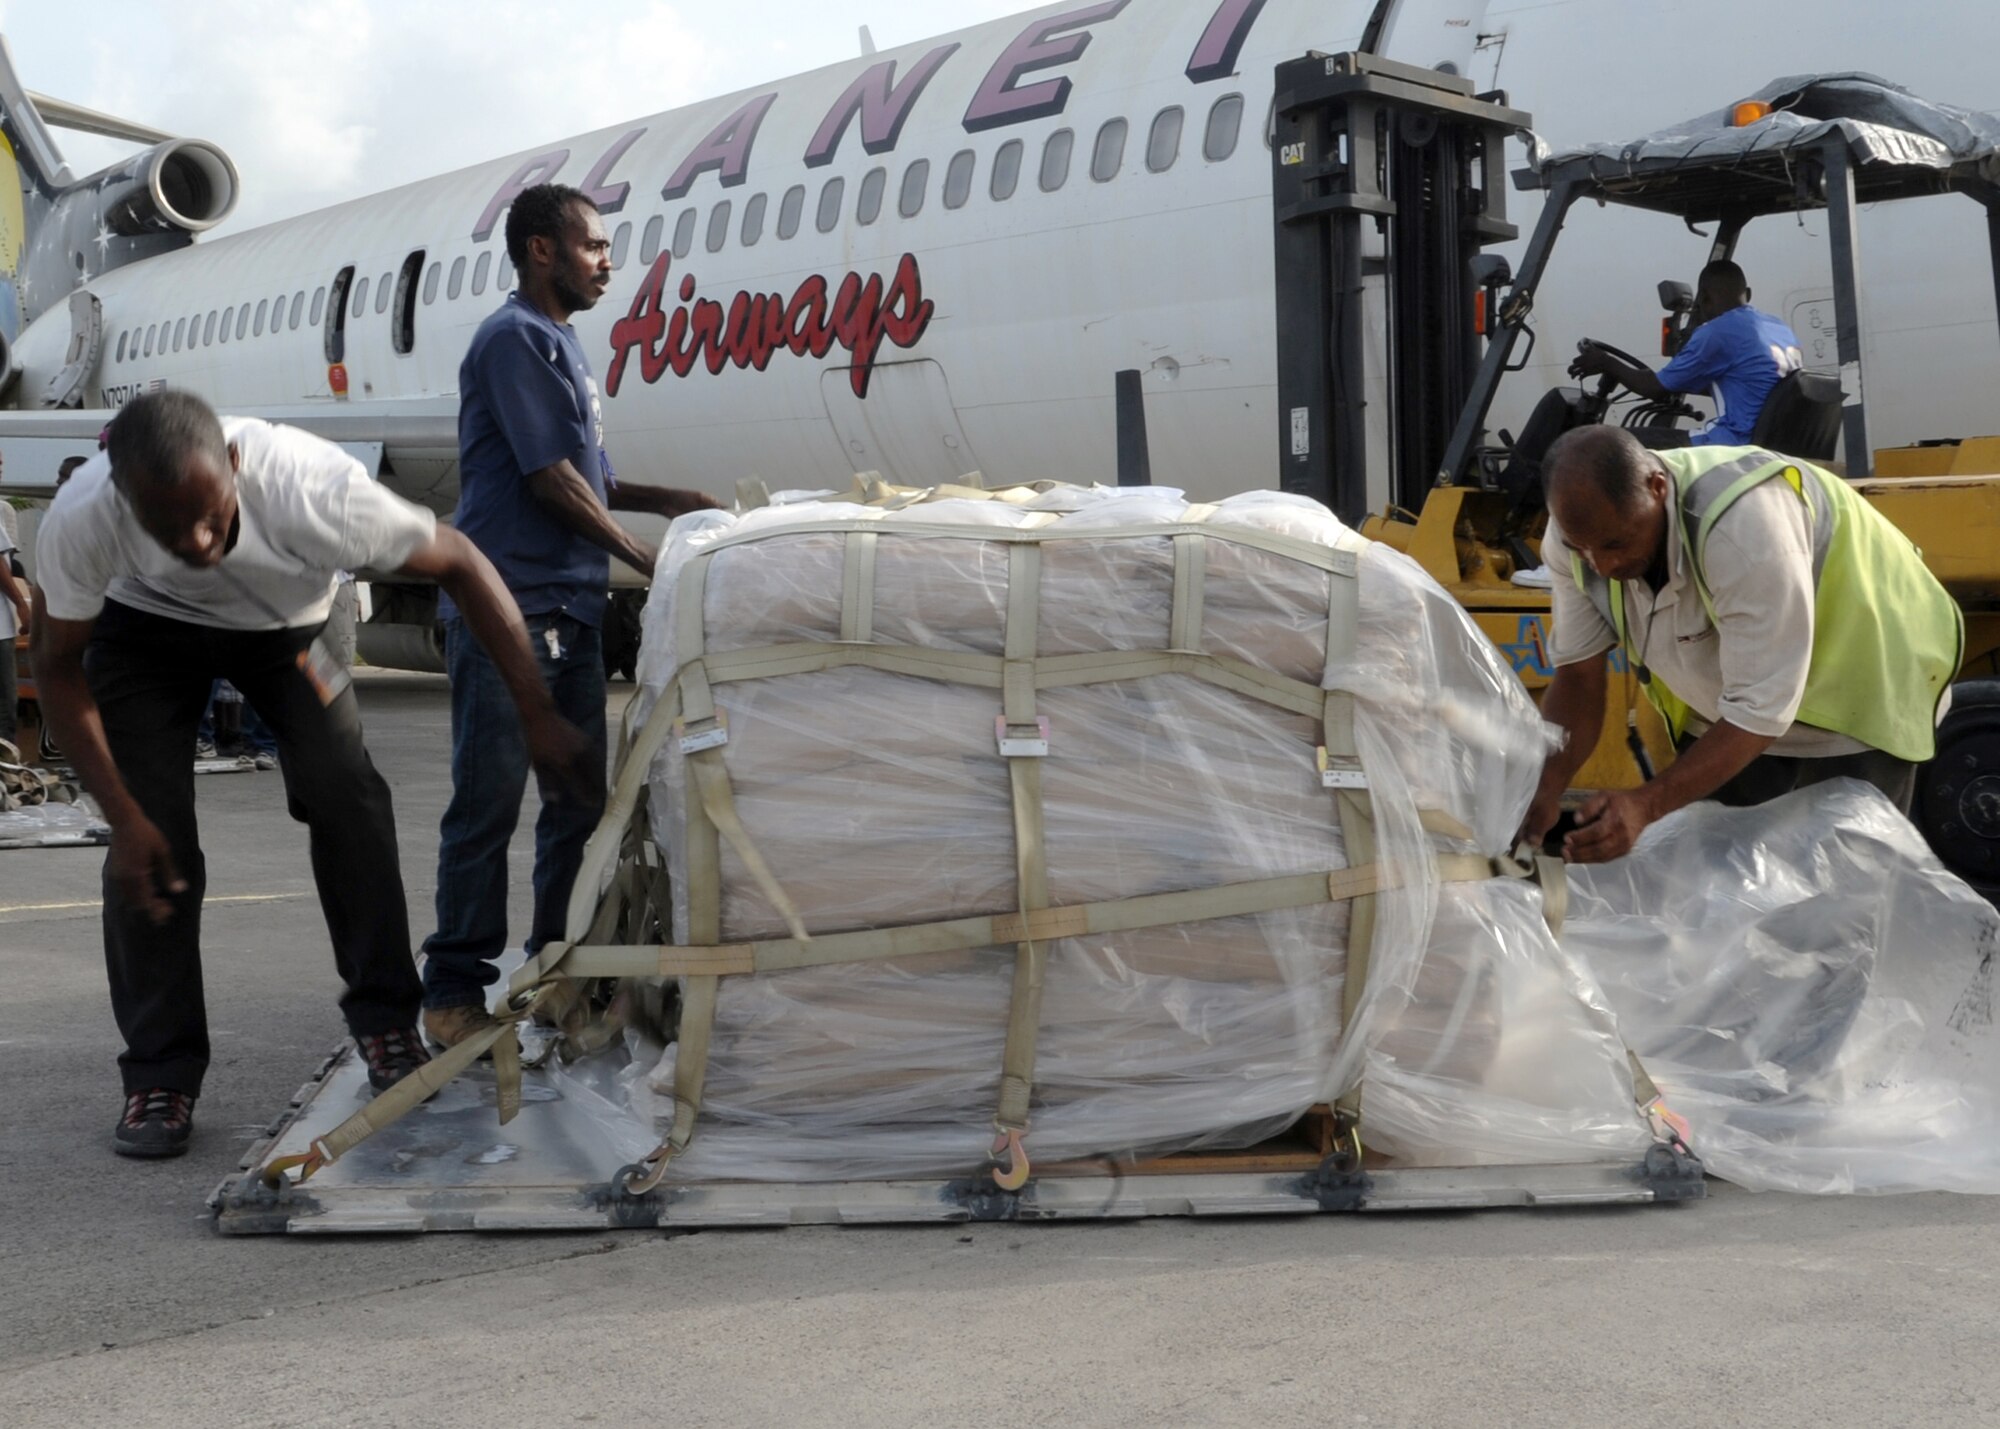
1574, 702
556, 748
141, 866
667, 501
568, 500
1610, 824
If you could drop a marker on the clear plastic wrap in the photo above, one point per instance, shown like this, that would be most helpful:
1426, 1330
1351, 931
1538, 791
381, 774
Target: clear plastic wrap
880, 799
1811, 990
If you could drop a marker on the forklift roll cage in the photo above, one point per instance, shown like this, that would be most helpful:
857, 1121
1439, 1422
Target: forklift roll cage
1831, 166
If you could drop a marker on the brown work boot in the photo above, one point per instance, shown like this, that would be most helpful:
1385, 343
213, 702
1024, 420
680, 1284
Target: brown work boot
449, 1026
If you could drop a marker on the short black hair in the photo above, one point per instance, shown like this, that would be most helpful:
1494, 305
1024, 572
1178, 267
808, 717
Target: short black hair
1724, 277
1609, 460
541, 212
153, 437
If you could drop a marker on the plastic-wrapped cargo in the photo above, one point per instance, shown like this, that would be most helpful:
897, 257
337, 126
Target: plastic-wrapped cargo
1811, 989
1035, 709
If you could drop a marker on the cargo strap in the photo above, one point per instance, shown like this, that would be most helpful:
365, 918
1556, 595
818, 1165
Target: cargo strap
1024, 741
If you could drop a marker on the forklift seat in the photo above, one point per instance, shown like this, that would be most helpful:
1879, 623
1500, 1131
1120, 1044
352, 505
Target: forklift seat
1801, 417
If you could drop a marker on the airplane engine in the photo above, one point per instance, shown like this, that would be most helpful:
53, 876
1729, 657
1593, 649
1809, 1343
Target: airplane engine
184, 184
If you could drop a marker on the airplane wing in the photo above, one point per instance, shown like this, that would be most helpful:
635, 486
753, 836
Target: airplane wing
409, 444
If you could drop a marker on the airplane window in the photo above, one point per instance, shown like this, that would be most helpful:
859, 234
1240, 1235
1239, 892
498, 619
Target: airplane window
479, 272
621, 244
1109, 152
1006, 170
228, 321
1224, 120
360, 299
382, 295
151, 328
869, 208
718, 226
1271, 123
684, 233
753, 218
257, 322
277, 313
298, 310
789, 210
121, 346
1163, 144
649, 241
829, 204
180, 328
504, 278
1055, 159
208, 330
958, 178
242, 321
916, 178
456, 282
431, 283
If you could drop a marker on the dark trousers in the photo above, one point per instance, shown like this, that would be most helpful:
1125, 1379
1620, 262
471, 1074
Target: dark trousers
489, 775
150, 677
1769, 776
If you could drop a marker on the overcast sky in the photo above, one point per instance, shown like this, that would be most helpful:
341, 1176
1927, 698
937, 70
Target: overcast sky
318, 103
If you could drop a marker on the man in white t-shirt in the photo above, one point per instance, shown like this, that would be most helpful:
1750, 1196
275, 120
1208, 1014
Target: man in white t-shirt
191, 549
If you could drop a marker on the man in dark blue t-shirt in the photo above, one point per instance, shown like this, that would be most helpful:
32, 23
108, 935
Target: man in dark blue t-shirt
1735, 355
535, 495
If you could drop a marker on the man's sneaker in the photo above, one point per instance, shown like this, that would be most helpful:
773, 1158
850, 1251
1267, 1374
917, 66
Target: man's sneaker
157, 1123
264, 761
205, 749
449, 1026
392, 1056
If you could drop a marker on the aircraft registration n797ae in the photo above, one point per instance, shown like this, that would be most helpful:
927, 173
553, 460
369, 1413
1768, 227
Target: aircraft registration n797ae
930, 260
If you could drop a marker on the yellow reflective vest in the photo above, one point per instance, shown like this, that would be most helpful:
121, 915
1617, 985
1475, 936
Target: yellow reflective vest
1887, 638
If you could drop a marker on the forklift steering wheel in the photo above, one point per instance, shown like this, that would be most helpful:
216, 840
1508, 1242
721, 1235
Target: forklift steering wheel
1606, 382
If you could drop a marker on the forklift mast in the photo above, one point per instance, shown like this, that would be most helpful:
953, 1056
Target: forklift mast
1362, 140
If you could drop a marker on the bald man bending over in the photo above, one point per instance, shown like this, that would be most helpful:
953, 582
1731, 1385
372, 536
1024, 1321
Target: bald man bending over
1786, 632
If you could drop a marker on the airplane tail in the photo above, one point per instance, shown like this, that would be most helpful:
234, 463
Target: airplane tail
58, 231
33, 175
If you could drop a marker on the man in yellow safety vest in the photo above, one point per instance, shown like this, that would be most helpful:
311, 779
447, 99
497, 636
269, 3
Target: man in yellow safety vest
1784, 629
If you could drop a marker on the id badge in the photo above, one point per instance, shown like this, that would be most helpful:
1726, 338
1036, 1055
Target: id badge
328, 677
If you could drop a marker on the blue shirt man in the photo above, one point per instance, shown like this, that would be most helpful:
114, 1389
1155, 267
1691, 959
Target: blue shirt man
1735, 355
527, 401
535, 495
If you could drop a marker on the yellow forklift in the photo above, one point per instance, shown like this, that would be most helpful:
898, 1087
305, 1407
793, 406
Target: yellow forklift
1393, 174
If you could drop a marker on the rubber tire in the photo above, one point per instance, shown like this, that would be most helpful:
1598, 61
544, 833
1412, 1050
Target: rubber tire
1957, 804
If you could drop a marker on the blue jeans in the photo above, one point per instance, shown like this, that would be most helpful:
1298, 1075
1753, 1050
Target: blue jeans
489, 775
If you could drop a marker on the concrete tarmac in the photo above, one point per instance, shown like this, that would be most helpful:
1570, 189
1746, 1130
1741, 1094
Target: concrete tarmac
119, 1305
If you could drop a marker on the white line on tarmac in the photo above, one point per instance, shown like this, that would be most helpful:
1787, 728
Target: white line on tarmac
6, 908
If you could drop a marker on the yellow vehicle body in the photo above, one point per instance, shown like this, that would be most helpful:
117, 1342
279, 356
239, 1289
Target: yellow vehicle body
1944, 497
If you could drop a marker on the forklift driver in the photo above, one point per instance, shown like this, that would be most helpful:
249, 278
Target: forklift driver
1734, 355
1785, 631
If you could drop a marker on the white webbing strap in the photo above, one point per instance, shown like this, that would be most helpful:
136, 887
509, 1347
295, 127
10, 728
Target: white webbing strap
1024, 770
857, 587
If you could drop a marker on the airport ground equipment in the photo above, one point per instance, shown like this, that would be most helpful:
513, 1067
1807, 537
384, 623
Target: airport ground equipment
1027, 854
1830, 144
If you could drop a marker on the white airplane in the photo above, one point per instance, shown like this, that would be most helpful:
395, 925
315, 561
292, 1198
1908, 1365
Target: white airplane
932, 260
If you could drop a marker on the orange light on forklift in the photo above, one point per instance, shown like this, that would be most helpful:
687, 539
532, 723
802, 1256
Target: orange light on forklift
1748, 113
336, 378
1666, 337
1479, 311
